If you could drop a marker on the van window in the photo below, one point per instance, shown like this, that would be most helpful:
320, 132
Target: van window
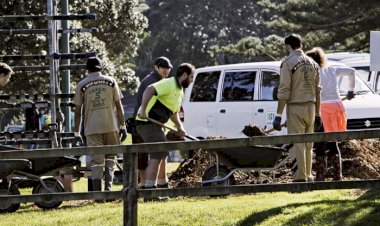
269, 82
239, 86
205, 87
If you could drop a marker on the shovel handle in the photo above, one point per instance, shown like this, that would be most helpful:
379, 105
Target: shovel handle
170, 128
273, 129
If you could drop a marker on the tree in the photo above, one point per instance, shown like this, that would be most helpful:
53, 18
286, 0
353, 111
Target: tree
120, 30
186, 30
333, 25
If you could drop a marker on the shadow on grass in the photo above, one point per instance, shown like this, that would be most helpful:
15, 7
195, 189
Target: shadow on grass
335, 212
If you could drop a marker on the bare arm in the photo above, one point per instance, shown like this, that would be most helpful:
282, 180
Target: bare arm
120, 113
78, 118
281, 105
176, 120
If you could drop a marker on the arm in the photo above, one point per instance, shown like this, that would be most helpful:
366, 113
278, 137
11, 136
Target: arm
120, 113
78, 117
280, 106
350, 72
176, 120
148, 94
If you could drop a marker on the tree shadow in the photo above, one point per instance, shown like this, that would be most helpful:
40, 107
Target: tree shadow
331, 215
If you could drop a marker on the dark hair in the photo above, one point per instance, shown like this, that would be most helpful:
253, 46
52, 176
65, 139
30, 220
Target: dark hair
163, 62
94, 64
294, 40
185, 68
318, 55
5, 69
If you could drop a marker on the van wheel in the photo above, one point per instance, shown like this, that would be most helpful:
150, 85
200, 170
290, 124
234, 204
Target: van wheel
54, 186
13, 190
211, 174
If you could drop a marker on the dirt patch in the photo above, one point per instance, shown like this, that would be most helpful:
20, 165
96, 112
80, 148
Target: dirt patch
360, 160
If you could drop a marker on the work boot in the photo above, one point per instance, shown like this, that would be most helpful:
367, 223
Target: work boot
97, 186
108, 178
337, 167
320, 168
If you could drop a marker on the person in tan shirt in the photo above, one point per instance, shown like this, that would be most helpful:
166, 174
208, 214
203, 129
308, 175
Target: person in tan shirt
299, 91
98, 96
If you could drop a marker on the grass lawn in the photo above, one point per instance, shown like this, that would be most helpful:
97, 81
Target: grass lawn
333, 207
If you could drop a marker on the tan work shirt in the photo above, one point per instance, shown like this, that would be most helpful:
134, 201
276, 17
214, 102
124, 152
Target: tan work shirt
299, 79
98, 94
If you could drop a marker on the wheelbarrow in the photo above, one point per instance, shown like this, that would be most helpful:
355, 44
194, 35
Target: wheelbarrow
33, 171
7, 167
228, 160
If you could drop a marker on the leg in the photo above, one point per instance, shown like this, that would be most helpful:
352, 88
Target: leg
152, 133
162, 175
109, 169
152, 173
335, 159
299, 150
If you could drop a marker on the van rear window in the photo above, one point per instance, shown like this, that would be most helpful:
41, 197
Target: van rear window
205, 87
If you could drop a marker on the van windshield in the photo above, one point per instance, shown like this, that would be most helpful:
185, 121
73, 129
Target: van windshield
363, 72
361, 87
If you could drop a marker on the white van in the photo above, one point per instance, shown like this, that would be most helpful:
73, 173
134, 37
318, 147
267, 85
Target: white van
361, 62
223, 99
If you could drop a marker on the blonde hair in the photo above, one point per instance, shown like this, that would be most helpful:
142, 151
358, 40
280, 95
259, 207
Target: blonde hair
318, 55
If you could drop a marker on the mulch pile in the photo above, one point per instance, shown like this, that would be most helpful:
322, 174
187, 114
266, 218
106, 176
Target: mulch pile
360, 160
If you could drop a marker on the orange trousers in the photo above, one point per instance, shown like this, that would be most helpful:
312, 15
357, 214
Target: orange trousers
333, 116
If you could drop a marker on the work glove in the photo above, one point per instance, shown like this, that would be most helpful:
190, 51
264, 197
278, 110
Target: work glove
131, 122
123, 133
277, 123
350, 95
317, 123
78, 141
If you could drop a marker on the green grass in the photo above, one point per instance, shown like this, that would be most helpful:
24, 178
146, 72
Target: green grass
332, 207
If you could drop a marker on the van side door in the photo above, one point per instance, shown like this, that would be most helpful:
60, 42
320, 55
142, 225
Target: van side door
236, 99
200, 103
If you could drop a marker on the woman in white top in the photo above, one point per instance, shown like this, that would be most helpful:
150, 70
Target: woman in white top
332, 112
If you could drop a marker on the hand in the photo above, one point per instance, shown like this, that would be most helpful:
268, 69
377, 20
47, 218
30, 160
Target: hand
131, 122
277, 123
181, 133
317, 123
142, 115
350, 95
78, 139
123, 133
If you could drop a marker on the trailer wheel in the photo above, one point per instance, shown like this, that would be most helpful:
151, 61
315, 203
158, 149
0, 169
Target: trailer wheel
13, 190
54, 186
211, 174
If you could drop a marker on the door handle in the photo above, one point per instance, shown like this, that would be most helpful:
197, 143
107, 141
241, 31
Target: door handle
223, 111
261, 110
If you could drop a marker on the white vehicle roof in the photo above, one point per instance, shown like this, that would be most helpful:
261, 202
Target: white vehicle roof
351, 59
267, 64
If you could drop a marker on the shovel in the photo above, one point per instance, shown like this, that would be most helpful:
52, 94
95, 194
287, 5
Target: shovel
170, 128
273, 129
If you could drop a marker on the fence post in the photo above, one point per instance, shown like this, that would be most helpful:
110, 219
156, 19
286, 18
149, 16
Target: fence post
130, 189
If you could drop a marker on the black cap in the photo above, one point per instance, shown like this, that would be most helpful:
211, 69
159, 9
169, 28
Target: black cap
94, 64
163, 62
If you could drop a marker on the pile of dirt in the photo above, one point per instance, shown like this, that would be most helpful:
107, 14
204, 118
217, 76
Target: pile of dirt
360, 160
253, 130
